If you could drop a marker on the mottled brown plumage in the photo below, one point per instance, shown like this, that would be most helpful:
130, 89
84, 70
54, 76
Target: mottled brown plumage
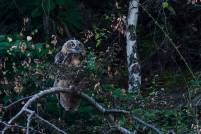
70, 56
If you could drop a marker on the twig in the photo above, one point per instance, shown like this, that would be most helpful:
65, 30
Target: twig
116, 111
170, 40
124, 130
120, 129
50, 124
29, 120
23, 127
18, 101
146, 124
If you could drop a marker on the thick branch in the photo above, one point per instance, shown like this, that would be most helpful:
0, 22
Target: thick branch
33, 99
107, 112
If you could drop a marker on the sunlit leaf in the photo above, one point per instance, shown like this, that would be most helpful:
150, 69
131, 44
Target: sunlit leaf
165, 4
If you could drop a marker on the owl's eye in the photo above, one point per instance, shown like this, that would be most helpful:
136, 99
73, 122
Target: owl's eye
72, 45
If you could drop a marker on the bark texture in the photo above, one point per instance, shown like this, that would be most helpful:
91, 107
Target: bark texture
132, 57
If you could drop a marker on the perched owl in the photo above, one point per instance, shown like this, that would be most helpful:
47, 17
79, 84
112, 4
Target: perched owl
70, 56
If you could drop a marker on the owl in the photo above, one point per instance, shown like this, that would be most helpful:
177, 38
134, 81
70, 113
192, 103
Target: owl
70, 57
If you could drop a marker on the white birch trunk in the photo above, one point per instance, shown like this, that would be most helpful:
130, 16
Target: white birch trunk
132, 57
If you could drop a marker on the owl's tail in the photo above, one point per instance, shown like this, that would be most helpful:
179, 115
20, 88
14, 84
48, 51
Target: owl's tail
69, 102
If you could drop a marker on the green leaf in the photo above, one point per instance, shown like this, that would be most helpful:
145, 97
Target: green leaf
36, 12
117, 93
6, 99
91, 62
39, 45
4, 45
2, 37
165, 4
98, 43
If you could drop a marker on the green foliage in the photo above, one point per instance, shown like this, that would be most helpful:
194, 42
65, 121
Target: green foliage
91, 61
195, 83
165, 4
57, 11
100, 35
24, 64
167, 119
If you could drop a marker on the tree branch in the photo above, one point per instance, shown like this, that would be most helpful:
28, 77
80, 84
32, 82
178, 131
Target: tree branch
106, 112
50, 124
33, 99
16, 102
116, 111
29, 120
120, 129
22, 127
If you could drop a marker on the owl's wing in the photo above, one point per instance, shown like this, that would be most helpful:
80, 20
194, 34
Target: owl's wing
59, 58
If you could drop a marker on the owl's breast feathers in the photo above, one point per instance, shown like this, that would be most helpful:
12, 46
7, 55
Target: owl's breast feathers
79, 82
71, 73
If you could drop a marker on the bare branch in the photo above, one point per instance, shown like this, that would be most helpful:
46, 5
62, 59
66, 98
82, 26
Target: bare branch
106, 112
16, 102
116, 111
146, 124
33, 99
50, 124
22, 127
29, 120
120, 129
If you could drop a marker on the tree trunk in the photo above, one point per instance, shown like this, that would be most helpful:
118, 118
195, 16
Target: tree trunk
132, 57
46, 24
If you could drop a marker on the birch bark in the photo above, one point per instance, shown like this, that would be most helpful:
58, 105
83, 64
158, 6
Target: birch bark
132, 57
